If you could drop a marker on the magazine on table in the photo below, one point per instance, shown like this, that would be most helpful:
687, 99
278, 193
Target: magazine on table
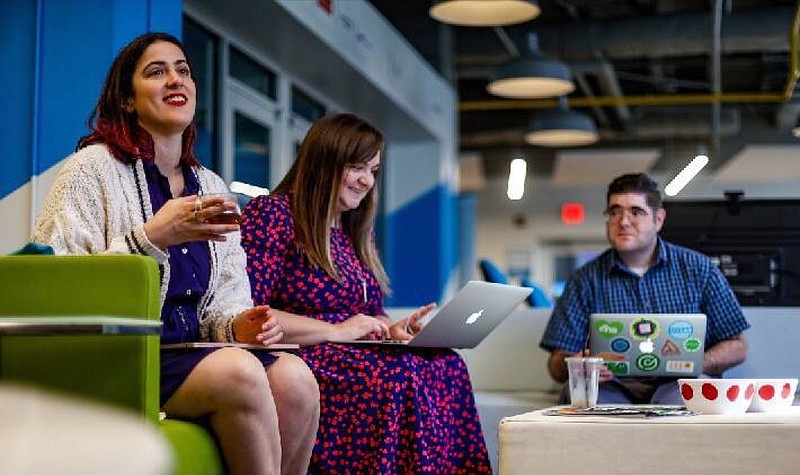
629, 411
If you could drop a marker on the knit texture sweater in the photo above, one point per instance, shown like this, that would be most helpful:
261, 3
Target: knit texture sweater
98, 205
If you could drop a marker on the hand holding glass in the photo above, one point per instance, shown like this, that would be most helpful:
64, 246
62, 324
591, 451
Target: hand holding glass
230, 213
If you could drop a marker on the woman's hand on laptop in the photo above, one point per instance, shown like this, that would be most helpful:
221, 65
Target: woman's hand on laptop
360, 327
406, 328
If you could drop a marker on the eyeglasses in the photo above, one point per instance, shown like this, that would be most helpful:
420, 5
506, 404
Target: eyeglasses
635, 213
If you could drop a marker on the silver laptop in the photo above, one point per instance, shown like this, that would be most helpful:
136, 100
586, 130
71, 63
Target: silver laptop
466, 319
649, 344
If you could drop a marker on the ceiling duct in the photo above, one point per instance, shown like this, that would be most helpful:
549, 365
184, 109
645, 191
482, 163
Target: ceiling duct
656, 124
675, 123
752, 30
606, 78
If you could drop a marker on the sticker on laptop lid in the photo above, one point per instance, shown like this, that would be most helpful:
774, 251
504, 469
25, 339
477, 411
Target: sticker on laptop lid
608, 329
679, 367
680, 330
608, 356
692, 344
670, 349
620, 345
619, 368
644, 329
647, 362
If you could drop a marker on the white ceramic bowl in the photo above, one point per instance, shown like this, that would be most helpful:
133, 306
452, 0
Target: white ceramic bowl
773, 395
717, 396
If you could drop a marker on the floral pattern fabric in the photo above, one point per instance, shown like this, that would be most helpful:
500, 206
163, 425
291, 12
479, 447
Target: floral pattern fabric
384, 409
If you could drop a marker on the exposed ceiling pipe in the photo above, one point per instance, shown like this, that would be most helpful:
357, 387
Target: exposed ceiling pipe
646, 100
655, 125
728, 46
607, 77
716, 77
756, 30
507, 42
599, 113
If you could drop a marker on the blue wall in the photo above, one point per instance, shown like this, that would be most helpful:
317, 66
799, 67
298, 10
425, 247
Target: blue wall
17, 67
421, 249
55, 57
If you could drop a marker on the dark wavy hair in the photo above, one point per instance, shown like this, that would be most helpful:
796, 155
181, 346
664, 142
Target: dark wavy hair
638, 183
332, 144
118, 129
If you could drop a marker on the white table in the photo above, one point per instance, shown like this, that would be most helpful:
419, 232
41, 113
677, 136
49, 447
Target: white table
752, 443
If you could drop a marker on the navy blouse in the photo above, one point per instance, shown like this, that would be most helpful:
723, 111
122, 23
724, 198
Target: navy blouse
190, 265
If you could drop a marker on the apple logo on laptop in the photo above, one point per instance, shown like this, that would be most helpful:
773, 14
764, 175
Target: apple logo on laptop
646, 346
474, 317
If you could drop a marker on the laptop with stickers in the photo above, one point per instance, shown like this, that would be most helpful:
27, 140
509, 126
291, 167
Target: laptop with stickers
649, 344
466, 319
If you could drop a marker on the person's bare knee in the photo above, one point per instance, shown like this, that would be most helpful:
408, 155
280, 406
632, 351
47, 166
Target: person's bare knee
241, 379
293, 383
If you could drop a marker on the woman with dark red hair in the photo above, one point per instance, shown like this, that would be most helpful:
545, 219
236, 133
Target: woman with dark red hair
133, 186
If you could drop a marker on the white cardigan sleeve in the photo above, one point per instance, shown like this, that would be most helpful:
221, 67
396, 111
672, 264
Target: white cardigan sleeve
86, 211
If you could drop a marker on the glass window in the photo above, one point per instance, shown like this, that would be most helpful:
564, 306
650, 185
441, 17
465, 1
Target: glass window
249, 72
201, 48
306, 107
251, 152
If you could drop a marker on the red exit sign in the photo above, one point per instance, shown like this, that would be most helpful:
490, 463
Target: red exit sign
326, 5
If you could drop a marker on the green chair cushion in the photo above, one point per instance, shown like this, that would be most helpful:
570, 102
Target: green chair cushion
195, 450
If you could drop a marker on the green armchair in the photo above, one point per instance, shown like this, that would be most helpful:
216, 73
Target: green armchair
118, 369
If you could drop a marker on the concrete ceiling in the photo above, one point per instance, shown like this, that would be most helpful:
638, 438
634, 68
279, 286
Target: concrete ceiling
649, 60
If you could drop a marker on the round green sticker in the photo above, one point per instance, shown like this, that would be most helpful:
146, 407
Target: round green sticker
647, 362
691, 344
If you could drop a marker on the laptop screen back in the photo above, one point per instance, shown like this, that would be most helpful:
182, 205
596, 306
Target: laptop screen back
649, 344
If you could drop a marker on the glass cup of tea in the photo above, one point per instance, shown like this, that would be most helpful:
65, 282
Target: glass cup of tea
227, 205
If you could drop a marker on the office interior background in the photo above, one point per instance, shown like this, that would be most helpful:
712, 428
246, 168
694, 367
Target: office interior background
659, 80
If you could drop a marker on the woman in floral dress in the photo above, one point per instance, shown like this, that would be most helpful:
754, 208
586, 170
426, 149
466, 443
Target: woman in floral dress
312, 258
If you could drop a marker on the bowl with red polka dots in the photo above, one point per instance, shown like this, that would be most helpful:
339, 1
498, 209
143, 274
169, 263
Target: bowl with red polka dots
773, 395
717, 396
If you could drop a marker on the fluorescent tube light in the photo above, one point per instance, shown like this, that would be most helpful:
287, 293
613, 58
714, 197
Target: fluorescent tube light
516, 179
685, 176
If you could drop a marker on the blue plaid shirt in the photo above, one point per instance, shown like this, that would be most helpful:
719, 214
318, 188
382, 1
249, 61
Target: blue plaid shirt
680, 281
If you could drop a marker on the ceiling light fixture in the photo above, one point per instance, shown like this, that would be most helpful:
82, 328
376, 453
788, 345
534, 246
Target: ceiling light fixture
484, 12
531, 76
516, 179
685, 176
561, 128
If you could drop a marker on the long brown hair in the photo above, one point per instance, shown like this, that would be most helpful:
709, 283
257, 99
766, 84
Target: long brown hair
332, 144
118, 129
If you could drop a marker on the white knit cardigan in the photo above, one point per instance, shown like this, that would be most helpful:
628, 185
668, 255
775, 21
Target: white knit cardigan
98, 205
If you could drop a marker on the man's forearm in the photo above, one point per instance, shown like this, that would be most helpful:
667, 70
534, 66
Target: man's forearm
557, 366
725, 355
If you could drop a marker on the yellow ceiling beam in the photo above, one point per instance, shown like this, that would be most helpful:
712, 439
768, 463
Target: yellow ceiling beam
644, 100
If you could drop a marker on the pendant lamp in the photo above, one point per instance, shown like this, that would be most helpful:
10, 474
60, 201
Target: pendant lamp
561, 128
484, 12
531, 76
